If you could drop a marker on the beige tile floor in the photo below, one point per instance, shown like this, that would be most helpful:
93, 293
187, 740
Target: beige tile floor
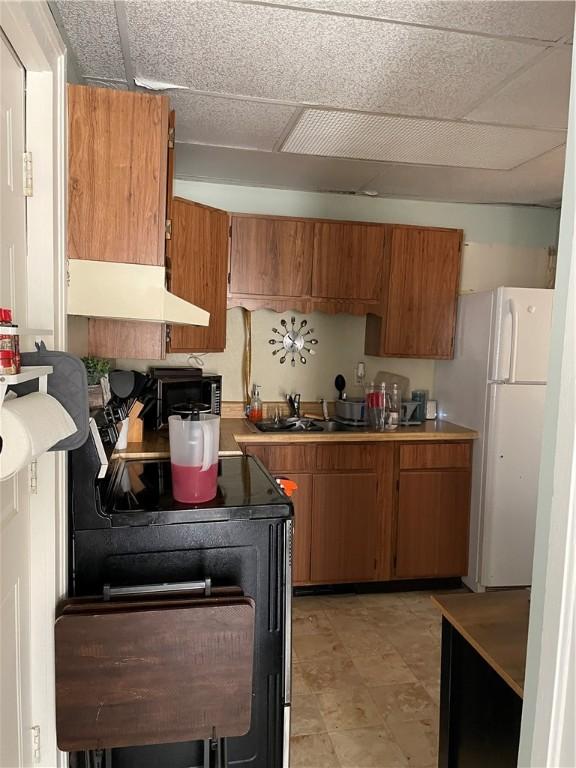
365, 681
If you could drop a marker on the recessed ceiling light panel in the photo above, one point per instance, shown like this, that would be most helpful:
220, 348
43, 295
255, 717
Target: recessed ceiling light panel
408, 140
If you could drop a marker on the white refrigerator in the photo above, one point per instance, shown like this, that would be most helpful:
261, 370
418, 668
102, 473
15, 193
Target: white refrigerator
496, 384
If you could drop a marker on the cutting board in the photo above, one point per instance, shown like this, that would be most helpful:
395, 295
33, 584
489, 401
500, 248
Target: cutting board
153, 672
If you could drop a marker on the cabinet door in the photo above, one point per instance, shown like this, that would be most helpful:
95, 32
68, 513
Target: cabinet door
271, 257
198, 253
422, 292
346, 527
433, 515
117, 175
348, 260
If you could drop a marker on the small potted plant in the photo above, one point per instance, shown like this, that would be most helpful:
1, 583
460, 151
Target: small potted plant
97, 368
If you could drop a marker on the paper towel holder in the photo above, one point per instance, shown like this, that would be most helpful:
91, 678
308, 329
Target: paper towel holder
27, 373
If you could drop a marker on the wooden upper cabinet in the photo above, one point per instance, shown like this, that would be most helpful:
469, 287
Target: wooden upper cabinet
271, 256
420, 295
117, 175
348, 260
198, 257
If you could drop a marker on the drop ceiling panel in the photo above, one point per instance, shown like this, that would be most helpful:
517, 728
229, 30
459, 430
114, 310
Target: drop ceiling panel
228, 122
537, 97
407, 140
286, 55
272, 170
92, 30
547, 20
536, 182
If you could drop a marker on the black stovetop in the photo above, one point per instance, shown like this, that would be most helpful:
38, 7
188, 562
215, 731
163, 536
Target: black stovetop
140, 493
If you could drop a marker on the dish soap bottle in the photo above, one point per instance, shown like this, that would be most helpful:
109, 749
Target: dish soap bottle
255, 412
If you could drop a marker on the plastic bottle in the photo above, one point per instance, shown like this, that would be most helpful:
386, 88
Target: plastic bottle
255, 412
395, 402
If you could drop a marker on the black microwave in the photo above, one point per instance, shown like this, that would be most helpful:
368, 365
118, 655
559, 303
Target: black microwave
182, 385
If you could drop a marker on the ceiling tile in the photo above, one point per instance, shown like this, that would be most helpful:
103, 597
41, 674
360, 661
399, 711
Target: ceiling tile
266, 169
536, 182
543, 20
537, 97
317, 59
228, 122
409, 140
92, 30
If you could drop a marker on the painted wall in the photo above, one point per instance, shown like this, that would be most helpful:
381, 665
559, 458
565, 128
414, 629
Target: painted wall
518, 225
504, 245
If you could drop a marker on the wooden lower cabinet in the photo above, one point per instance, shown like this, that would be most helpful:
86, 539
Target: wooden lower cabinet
358, 516
432, 527
346, 527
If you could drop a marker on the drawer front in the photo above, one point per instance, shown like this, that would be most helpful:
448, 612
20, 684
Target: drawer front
336, 456
435, 456
284, 458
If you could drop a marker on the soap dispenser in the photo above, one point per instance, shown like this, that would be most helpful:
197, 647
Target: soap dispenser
255, 412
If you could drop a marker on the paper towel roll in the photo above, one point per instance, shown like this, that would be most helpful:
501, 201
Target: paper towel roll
29, 426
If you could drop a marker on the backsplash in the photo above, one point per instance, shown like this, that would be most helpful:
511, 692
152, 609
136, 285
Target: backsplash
340, 346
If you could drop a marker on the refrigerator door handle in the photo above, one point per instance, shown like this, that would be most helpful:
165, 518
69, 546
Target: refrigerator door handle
514, 342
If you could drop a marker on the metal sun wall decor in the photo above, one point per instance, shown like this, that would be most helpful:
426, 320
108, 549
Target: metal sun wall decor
293, 342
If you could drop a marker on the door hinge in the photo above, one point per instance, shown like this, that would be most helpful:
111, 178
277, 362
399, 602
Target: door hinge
171, 137
168, 334
28, 174
168, 229
229, 278
34, 477
397, 485
36, 743
230, 231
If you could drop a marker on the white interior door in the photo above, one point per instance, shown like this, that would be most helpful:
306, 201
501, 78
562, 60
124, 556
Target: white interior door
516, 413
15, 677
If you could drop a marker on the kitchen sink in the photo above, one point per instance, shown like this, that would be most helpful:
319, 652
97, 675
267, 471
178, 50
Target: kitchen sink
307, 425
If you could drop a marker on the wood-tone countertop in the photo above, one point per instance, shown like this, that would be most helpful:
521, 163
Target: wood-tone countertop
496, 625
155, 445
430, 431
235, 432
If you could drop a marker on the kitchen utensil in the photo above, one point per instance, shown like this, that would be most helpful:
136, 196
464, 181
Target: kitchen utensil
121, 383
194, 444
340, 384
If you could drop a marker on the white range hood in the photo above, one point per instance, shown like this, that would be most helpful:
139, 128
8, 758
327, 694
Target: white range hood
120, 291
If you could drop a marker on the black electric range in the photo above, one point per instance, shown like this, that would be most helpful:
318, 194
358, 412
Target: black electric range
126, 530
140, 492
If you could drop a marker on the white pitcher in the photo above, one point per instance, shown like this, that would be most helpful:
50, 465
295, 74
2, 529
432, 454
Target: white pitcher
194, 446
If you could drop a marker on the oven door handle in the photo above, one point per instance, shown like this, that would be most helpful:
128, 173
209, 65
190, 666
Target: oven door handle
144, 589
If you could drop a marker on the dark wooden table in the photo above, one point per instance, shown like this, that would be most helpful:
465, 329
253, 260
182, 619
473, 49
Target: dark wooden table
484, 639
